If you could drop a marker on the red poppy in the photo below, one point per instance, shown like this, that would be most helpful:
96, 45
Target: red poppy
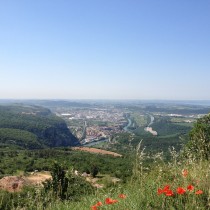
190, 187
94, 208
110, 201
199, 192
166, 190
169, 193
180, 190
166, 187
99, 203
159, 191
184, 172
123, 196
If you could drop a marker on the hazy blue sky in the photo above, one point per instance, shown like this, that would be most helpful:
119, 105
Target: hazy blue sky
105, 49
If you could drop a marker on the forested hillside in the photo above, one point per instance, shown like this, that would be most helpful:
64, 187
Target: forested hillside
33, 127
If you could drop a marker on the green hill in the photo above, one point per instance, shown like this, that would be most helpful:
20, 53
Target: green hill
33, 127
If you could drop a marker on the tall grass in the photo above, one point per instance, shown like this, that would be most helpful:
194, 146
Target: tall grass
141, 191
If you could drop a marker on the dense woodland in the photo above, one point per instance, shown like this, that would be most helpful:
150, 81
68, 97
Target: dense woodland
33, 127
42, 160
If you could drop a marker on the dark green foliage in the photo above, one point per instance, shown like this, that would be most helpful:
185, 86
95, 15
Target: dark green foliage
65, 185
199, 139
59, 181
151, 143
19, 137
33, 127
163, 126
94, 170
13, 160
178, 109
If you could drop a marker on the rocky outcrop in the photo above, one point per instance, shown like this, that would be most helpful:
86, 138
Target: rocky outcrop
59, 135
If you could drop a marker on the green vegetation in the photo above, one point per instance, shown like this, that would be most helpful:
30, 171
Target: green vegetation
65, 185
28, 161
139, 119
177, 109
178, 184
157, 173
198, 146
33, 127
19, 137
164, 126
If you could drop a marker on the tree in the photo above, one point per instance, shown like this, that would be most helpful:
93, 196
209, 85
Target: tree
94, 171
199, 144
67, 185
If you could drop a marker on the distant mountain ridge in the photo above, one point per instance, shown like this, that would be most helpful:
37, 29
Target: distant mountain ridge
33, 127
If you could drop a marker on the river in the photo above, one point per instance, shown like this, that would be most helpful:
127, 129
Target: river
151, 120
128, 125
149, 128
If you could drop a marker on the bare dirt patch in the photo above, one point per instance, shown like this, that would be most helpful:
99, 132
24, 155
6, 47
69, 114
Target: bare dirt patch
38, 178
98, 151
12, 183
15, 183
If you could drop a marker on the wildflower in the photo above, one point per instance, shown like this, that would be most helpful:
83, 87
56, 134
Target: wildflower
169, 193
159, 191
110, 201
166, 188
99, 204
96, 205
123, 196
184, 172
199, 192
190, 187
94, 208
180, 190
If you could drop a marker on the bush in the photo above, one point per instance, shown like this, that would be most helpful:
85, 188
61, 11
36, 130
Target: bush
198, 146
65, 185
94, 171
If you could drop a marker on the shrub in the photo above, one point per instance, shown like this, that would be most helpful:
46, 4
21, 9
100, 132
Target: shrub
198, 146
66, 185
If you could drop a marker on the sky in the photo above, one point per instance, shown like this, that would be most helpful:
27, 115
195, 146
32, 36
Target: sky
105, 49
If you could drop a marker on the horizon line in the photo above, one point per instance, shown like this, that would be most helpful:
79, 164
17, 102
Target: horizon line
100, 99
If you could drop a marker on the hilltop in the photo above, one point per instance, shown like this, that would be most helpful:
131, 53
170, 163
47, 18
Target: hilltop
33, 127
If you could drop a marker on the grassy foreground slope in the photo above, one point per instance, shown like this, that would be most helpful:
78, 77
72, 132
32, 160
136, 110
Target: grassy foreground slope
189, 193
179, 184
